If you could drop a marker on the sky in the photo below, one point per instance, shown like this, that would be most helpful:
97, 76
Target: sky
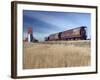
45, 23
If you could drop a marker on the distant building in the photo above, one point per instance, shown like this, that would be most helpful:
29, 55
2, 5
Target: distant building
30, 37
30, 34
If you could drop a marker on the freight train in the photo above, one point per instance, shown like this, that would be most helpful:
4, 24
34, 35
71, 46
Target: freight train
78, 33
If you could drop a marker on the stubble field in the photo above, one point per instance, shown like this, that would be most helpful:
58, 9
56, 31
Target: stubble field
54, 54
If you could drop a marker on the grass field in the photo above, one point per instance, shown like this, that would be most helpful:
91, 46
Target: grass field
53, 54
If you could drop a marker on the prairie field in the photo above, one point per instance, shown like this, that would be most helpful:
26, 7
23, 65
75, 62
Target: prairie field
54, 54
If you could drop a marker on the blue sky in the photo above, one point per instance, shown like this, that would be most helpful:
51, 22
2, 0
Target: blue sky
45, 23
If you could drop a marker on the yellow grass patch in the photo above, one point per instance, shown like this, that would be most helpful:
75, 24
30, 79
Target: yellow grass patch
53, 55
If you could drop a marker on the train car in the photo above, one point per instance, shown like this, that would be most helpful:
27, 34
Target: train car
46, 38
54, 37
72, 34
77, 33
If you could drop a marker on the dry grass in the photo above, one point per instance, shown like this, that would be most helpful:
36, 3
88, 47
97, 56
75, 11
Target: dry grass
51, 55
